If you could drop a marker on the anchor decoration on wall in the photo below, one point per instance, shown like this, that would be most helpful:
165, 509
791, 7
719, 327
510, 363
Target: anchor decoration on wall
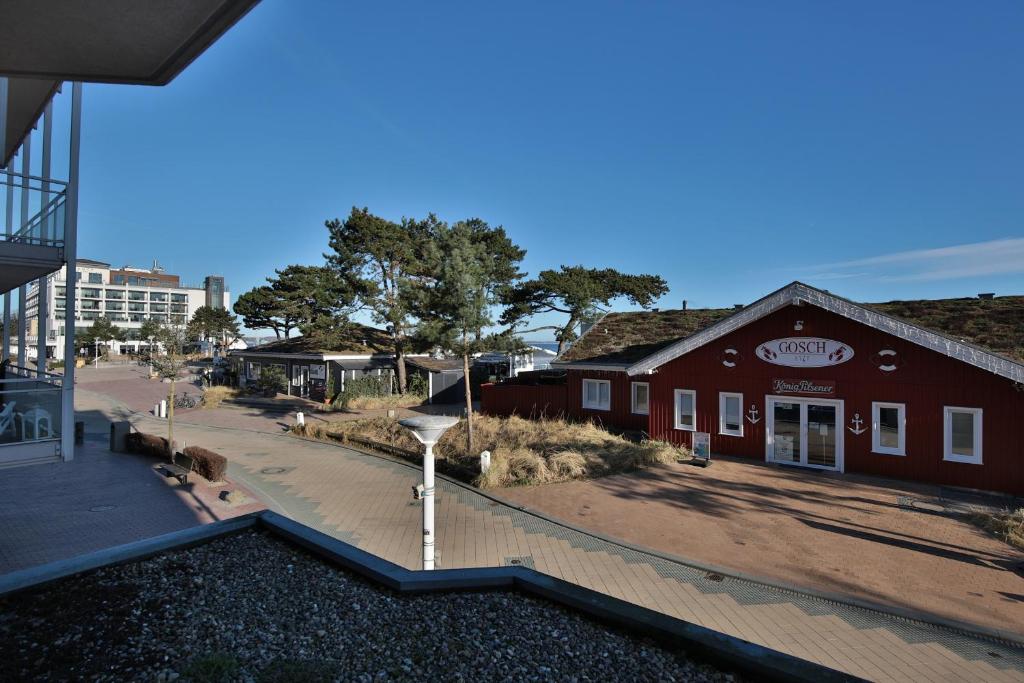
857, 422
752, 415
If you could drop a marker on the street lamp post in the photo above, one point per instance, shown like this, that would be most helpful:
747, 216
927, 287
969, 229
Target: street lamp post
428, 430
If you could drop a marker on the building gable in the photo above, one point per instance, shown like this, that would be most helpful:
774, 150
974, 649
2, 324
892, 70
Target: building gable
799, 294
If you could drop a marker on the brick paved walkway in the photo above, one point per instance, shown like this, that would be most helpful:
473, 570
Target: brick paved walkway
366, 500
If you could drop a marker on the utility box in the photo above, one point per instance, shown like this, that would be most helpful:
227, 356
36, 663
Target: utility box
119, 432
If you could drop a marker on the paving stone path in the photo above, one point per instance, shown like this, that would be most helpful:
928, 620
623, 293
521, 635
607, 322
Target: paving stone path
366, 500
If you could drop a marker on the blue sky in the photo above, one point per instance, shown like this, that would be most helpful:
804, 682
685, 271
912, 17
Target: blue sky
870, 148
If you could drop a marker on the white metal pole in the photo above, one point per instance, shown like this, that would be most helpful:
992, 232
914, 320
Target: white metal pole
42, 295
67, 434
26, 171
9, 216
428, 506
8, 208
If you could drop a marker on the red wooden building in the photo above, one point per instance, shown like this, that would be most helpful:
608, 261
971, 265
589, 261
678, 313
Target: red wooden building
927, 390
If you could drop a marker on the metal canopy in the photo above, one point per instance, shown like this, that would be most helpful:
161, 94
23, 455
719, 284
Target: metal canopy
142, 42
145, 42
26, 99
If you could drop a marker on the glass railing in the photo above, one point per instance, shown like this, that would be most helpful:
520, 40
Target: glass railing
46, 227
30, 408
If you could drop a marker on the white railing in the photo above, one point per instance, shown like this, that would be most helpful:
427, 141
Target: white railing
30, 406
46, 227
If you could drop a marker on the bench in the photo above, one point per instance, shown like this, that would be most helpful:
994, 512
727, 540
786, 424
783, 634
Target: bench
180, 469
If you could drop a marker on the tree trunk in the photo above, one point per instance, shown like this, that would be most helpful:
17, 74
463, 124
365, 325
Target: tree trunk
170, 424
403, 382
398, 338
469, 404
565, 332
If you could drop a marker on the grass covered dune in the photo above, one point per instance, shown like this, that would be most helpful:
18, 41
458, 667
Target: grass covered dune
522, 451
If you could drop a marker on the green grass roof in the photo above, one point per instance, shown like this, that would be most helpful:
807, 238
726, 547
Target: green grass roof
353, 339
996, 325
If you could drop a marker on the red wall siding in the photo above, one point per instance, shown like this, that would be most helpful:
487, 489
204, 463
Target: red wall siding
522, 400
621, 413
925, 381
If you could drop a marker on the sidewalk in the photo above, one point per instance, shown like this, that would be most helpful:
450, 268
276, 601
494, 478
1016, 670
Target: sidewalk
103, 499
365, 500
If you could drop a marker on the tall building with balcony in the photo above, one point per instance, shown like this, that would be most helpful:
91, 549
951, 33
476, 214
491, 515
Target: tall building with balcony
48, 51
126, 296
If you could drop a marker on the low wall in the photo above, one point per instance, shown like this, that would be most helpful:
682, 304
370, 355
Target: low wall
523, 400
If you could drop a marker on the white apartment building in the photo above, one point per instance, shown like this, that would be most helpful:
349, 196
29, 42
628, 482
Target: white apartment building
126, 296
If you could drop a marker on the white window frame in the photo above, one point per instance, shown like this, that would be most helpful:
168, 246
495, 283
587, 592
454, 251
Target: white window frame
632, 392
722, 396
597, 406
947, 435
676, 404
876, 431
252, 370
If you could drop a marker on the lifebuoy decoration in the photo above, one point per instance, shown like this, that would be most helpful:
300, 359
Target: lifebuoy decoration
731, 358
887, 360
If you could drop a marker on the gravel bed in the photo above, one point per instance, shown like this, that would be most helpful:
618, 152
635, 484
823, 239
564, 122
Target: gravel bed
253, 608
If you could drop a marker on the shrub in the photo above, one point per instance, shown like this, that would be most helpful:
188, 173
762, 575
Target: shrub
522, 451
1008, 524
272, 380
215, 395
209, 465
375, 391
147, 444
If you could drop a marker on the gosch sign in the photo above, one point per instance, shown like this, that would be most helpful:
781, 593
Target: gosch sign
804, 352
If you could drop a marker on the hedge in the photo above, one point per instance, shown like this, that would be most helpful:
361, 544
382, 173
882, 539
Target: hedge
209, 465
147, 444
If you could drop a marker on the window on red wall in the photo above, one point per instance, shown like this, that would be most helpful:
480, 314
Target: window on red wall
730, 414
597, 394
962, 435
641, 398
686, 410
888, 428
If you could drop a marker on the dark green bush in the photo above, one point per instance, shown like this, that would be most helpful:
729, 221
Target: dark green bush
208, 465
147, 444
272, 380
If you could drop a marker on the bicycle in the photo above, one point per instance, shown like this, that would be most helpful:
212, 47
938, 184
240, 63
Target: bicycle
185, 401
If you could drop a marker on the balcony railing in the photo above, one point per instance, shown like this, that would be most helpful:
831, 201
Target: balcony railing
30, 406
46, 227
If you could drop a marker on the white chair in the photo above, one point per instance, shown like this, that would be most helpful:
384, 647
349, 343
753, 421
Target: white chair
7, 419
38, 418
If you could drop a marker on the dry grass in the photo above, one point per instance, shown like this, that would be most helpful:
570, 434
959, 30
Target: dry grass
379, 402
522, 451
214, 396
1008, 525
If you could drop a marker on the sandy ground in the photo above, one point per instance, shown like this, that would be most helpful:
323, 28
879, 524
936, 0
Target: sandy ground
838, 533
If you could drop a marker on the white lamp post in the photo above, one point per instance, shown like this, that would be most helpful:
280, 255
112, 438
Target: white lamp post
428, 430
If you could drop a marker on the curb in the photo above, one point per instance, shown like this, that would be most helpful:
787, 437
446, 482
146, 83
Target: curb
998, 636
1008, 638
727, 651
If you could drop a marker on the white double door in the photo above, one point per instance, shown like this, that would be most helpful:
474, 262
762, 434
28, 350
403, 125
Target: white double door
805, 431
300, 380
